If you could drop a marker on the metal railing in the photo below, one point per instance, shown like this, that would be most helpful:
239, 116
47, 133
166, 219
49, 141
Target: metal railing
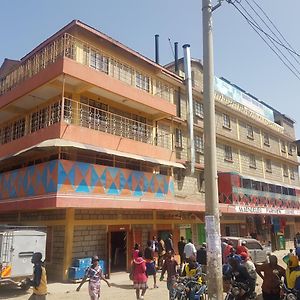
86, 54
87, 116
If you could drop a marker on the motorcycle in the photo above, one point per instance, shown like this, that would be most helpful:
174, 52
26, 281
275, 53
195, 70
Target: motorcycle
186, 285
239, 291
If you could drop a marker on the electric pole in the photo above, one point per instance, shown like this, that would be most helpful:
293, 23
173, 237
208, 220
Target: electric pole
212, 217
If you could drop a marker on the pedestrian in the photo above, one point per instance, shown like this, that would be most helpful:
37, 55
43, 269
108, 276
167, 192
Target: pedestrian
150, 262
170, 266
189, 250
161, 252
271, 281
223, 246
248, 263
169, 244
154, 244
181, 245
242, 248
227, 251
139, 276
135, 250
94, 274
39, 280
202, 257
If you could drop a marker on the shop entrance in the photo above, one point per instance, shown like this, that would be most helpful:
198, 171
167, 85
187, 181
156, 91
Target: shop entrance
118, 250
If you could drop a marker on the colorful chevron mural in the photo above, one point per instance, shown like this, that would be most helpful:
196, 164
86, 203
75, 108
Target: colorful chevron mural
61, 176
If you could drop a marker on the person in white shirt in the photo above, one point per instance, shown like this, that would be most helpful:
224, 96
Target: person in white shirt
189, 250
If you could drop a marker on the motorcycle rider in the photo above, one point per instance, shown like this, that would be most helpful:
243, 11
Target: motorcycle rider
238, 272
292, 272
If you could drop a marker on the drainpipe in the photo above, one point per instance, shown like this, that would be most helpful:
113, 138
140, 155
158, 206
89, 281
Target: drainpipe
157, 48
176, 56
188, 84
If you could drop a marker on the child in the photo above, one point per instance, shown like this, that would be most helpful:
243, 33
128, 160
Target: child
170, 265
139, 276
94, 274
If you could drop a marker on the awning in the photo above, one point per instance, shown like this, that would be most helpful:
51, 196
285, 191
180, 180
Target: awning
67, 143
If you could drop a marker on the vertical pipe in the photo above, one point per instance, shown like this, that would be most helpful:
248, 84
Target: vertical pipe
157, 48
188, 83
176, 56
212, 218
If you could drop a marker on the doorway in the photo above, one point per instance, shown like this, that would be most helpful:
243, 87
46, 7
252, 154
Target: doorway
118, 250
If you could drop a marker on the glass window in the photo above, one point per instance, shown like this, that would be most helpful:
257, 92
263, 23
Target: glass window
285, 190
290, 149
178, 138
246, 183
268, 165
252, 161
292, 192
282, 143
264, 187
292, 173
272, 188
266, 139
228, 153
250, 133
142, 81
285, 171
256, 185
278, 189
199, 112
199, 144
251, 245
98, 61
226, 121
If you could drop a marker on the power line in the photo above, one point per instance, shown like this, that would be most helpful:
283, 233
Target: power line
291, 64
276, 36
258, 30
264, 32
273, 24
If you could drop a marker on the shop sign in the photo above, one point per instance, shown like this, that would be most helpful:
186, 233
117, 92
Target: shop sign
185, 226
266, 210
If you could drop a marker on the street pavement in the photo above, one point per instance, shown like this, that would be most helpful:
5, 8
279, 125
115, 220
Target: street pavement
121, 288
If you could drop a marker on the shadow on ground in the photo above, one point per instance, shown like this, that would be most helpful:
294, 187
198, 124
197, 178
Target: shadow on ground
122, 286
11, 292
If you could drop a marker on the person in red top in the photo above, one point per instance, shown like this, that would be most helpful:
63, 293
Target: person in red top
242, 248
139, 276
227, 251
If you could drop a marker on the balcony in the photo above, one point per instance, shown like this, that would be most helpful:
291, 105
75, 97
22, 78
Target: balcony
87, 116
68, 46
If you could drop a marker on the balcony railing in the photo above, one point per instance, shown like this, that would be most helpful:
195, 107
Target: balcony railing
86, 54
87, 116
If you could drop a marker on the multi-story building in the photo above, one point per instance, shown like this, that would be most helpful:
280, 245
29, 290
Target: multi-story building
94, 146
256, 160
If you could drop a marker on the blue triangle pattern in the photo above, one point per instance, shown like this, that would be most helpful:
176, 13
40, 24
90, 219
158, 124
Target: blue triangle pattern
138, 192
159, 193
83, 187
51, 187
94, 178
61, 174
122, 180
146, 184
52, 165
113, 190
103, 178
171, 187
113, 172
129, 182
71, 176
83, 168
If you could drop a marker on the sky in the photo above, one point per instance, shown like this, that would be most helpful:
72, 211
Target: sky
239, 53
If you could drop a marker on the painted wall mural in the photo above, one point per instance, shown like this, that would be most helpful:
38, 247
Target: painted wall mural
61, 176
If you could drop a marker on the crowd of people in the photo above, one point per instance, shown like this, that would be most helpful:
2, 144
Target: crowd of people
159, 254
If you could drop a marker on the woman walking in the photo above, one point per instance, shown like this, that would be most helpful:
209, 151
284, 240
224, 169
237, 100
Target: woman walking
139, 276
94, 274
150, 262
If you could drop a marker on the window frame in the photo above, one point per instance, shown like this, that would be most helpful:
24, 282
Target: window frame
228, 156
266, 139
250, 132
226, 121
285, 171
252, 161
199, 144
282, 146
178, 138
268, 165
198, 109
292, 173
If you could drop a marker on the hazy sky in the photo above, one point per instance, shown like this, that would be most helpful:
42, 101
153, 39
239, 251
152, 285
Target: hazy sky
240, 55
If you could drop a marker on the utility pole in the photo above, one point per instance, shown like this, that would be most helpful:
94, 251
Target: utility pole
212, 217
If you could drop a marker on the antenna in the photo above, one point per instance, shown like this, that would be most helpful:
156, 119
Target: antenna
171, 47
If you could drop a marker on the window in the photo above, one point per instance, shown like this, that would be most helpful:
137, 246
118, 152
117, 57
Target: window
226, 121
142, 81
292, 173
252, 161
290, 149
178, 138
199, 144
228, 153
282, 145
199, 109
250, 134
285, 171
18, 129
200, 181
268, 165
266, 139
99, 61
246, 183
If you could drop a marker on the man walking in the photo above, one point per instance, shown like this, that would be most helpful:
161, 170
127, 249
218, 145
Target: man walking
202, 257
189, 250
39, 281
181, 245
169, 244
